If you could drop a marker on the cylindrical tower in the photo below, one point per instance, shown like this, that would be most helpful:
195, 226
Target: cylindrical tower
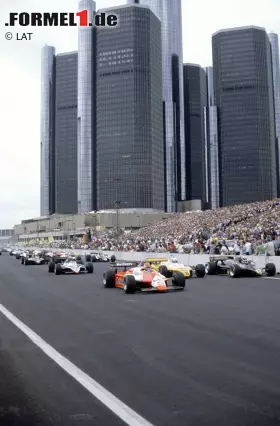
213, 143
273, 38
47, 130
85, 111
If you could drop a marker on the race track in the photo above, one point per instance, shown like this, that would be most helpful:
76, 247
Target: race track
208, 356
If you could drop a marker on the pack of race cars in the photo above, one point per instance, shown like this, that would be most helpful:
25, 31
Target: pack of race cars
151, 275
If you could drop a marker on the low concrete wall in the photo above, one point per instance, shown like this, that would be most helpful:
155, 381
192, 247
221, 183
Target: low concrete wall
187, 259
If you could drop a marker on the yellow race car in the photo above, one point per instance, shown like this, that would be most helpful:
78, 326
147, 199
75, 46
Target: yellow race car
167, 266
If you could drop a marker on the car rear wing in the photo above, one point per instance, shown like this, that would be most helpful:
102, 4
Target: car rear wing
155, 260
222, 257
119, 265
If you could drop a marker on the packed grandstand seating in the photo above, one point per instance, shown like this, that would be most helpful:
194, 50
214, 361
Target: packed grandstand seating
245, 228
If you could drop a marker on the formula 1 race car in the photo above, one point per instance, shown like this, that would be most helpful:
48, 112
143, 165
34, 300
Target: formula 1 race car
57, 257
36, 258
168, 266
97, 256
141, 278
237, 266
71, 265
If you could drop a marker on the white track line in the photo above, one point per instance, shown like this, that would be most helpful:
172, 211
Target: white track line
271, 278
125, 413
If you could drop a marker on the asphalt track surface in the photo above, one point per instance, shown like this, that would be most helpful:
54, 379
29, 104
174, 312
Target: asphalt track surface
208, 356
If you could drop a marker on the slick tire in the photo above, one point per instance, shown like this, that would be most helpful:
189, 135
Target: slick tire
129, 284
178, 279
113, 258
235, 271
89, 267
51, 267
88, 258
270, 269
211, 268
58, 269
200, 271
109, 279
164, 271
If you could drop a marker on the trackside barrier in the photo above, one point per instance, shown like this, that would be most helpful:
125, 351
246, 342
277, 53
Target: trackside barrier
187, 259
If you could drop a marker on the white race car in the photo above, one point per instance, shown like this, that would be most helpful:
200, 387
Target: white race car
36, 258
71, 265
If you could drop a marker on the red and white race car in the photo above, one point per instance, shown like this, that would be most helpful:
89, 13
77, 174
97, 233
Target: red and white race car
132, 277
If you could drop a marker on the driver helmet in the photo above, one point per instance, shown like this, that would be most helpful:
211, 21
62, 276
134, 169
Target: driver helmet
244, 259
147, 265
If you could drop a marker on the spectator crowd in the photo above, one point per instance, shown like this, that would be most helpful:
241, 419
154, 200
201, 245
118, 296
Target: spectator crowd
243, 229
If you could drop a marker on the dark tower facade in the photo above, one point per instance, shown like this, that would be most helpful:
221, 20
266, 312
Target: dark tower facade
195, 102
243, 90
129, 119
66, 133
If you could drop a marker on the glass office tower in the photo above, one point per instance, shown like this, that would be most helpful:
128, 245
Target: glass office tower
170, 14
66, 70
47, 131
86, 112
213, 142
243, 88
129, 119
195, 102
273, 38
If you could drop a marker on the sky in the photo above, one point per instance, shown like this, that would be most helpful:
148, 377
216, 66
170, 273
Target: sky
20, 65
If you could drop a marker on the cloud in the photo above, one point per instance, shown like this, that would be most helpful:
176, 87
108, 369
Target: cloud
20, 63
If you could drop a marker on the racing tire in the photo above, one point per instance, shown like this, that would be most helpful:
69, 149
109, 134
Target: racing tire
17, 256
211, 268
113, 258
88, 258
51, 267
11, 253
235, 271
22, 260
178, 279
129, 284
200, 271
26, 262
109, 279
58, 269
163, 270
270, 269
78, 258
89, 267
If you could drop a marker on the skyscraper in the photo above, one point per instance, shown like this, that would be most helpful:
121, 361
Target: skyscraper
66, 70
212, 142
86, 113
129, 139
170, 15
59, 132
243, 90
47, 198
195, 102
273, 38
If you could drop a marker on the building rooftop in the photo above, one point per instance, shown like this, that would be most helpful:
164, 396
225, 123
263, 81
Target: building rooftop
249, 27
124, 6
